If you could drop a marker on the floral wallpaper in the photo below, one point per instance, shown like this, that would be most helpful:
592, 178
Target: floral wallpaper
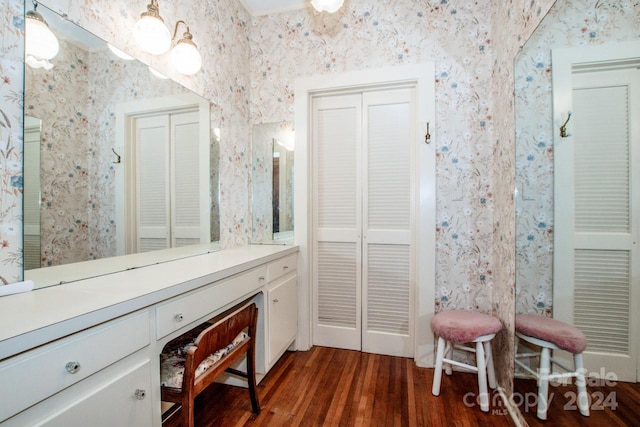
11, 82
569, 23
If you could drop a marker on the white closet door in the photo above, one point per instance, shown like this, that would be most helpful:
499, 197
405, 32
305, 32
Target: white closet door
185, 203
337, 217
387, 223
363, 221
152, 183
596, 259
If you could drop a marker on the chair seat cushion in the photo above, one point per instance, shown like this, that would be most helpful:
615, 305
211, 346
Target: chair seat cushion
563, 335
174, 354
462, 326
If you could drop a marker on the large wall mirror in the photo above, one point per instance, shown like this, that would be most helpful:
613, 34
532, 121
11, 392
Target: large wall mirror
592, 286
272, 183
121, 164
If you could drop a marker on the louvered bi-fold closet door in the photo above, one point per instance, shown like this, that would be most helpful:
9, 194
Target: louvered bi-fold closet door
596, 259
337, 211
363, 221
185, 185
387, 320
152, 196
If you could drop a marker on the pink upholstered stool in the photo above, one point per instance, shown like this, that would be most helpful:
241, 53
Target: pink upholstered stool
457, 327
551, 334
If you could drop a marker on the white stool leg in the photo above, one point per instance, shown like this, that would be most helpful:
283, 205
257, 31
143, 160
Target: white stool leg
543, 382
437, 374
581, 384
491, 373
448, 354
482, 377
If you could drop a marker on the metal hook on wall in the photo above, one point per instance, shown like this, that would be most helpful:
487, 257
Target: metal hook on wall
427, 136
563, 128
118, 158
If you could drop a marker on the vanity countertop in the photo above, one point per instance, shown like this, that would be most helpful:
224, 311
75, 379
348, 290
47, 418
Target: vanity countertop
34, 318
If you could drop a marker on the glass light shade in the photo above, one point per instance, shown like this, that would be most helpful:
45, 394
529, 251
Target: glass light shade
330, 6
152, 35
120, 54
40, 42
34, 62
186, 58
158, 74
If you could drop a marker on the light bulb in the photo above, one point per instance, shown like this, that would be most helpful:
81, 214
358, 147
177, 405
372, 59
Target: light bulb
186, 58
152, 35
40, 42
330, 6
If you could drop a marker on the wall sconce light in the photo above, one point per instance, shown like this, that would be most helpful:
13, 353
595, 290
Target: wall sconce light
150, 32
184, 55
330, 6
41, 44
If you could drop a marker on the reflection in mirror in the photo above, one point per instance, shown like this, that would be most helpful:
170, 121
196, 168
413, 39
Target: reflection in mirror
31, 201
282, 193
108, 126
272, 183
573, 23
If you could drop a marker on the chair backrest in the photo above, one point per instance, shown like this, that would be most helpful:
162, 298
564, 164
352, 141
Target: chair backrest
220, 335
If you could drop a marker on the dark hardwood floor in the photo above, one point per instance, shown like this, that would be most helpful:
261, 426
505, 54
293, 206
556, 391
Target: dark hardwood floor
330, 387
610, 405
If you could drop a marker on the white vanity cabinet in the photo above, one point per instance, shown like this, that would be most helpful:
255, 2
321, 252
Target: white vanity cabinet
282, 307
74, 378
96, 362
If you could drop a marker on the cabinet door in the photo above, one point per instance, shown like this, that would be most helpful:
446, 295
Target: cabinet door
123, 401
283, 317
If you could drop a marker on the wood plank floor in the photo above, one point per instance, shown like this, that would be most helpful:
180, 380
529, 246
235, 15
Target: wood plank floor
330, 387
613, 405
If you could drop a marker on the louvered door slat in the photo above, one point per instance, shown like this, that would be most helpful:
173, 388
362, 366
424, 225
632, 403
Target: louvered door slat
602, 297
602, 160
336, 160
337, 284
388, 154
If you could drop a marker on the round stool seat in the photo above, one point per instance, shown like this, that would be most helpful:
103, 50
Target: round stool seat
462, 326
564, 336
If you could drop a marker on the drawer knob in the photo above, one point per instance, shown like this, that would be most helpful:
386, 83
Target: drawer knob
72, 367
179, 317
286, 267
140, 394
261, 278
276, 300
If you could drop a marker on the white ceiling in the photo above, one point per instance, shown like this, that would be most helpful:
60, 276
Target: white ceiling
265, 7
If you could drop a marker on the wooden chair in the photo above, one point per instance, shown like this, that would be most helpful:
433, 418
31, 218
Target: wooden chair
216, 347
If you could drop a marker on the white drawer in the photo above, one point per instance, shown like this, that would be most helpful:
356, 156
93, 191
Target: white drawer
181, 311
31, 377
279, 268
122, 398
